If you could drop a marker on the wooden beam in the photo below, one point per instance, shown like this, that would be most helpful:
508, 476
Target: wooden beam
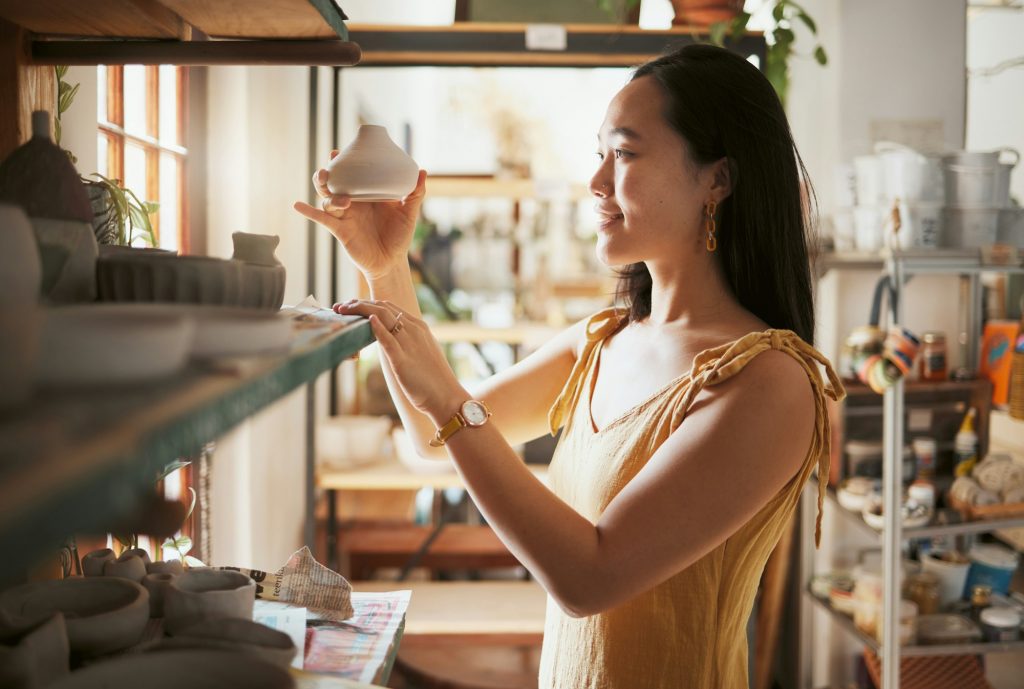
23, 88
264, 19
305, 53
122, 18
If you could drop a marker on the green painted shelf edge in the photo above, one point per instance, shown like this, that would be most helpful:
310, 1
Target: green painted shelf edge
114, 489
333, 15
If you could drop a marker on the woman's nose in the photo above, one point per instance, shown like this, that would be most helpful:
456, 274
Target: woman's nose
600, 184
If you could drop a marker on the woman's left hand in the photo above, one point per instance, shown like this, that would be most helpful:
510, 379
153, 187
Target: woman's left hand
414, 355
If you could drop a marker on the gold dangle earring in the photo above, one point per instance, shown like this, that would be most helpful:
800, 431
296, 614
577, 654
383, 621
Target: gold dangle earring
709, 225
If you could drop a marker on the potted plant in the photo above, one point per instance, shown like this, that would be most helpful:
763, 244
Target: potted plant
779, 37
117, 212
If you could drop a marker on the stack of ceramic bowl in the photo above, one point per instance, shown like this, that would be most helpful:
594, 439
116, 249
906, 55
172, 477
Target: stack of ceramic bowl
895, 181
978, 197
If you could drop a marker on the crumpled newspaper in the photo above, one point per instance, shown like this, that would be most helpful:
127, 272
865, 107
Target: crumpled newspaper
305, 582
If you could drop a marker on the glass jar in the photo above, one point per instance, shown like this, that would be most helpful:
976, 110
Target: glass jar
933, 357
923, 589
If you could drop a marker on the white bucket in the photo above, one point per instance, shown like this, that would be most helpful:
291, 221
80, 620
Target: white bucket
952, 576
978, 179
920, 226
909, 175
971, 228
868, 222
1011, 227
870, 176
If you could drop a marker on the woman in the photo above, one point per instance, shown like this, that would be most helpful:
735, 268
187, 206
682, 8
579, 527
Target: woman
654, 533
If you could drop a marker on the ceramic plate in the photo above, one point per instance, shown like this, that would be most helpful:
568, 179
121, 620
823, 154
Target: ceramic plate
95, 344
224, 332
180, 670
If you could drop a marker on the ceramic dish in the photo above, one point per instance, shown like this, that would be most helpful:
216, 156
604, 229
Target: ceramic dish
236, 332
102, 614
149, 275
246, 636
95, 344
372, 168
853, 492
914, 514
180, 668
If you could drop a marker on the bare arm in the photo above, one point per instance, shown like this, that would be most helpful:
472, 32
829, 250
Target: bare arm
701, 485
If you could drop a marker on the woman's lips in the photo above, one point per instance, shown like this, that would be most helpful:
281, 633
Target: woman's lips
608, 219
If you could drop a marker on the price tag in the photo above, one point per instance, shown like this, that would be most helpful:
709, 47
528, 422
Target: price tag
546, 37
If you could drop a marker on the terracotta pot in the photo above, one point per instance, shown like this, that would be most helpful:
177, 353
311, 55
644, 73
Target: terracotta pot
35, 655
372, 168
207, 594
93, 562
103, 614
705, 12
246, 636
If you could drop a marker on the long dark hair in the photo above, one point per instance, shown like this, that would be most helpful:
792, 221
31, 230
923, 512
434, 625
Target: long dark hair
723, 106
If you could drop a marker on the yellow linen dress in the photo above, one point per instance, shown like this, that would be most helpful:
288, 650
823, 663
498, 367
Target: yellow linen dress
690, 630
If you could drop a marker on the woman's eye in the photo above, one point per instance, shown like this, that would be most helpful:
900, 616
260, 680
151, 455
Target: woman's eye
600, 156
619, 153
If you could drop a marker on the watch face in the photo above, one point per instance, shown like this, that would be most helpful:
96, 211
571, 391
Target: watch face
474, 412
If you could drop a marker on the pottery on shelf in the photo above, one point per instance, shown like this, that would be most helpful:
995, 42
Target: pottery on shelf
128, 566
102, 614
138, 552
372, 168
93, 562
169, 567
109, 344
153, 275
222, 332
69, 252
263, 276
207, 594
20, 269
246, 636
35, 654
157, 585
177, 669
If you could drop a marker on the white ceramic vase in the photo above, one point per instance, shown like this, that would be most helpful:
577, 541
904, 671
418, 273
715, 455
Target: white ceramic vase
93, 562
70, 275
372, 168
263, 276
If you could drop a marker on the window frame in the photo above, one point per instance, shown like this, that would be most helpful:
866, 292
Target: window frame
111, 128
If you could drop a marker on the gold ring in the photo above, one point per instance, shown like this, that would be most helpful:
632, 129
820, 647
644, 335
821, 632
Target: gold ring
398, 324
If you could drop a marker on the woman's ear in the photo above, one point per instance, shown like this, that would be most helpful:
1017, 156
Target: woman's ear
723, 178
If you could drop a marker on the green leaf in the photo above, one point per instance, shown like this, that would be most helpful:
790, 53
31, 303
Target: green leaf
192, 505
716, 32
182, 544
738, 27
172, 467
820, 56
193, 562
779, 12
61, 70
805, 18
784, 37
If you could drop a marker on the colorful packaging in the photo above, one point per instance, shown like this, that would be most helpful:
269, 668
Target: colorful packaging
996, 356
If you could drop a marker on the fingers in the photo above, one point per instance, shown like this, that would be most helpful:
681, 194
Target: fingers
342, 230
388, 314
320, 178
384, 337
419, 191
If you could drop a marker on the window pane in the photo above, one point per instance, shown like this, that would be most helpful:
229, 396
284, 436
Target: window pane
169, 104
135, 174
135, 99
170, 203
101, 155
101, 94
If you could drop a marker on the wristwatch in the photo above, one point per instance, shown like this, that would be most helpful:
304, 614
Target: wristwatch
472, 413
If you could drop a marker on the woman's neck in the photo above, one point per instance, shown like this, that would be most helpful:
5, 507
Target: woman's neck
694, 298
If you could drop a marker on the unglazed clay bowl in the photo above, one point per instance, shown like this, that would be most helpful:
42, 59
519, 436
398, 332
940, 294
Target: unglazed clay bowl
157, 585
129, 566
372, 168
103, 614
207, 594
246, 636
169, 567
180, 669
94, 561
149, 275
33, 655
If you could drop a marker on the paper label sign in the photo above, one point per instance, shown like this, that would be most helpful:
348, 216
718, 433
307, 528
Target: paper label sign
546, 37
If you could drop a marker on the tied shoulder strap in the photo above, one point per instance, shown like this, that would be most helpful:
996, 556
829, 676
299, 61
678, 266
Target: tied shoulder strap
599, 326
715, 365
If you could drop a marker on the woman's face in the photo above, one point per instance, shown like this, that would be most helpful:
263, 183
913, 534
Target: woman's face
648, 193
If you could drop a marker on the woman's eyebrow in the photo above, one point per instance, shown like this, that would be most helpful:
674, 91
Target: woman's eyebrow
624, 132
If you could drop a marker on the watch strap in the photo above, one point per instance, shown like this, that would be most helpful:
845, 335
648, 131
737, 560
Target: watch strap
448, 430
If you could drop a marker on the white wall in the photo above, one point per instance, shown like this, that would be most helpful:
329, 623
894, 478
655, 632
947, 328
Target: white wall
257, 132
78, 124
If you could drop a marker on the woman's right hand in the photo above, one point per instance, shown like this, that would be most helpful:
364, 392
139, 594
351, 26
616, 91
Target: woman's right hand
376, 234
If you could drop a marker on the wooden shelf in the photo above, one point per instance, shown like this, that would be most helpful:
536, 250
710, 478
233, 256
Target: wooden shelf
504, 45
75, 460
531, 334
390, 474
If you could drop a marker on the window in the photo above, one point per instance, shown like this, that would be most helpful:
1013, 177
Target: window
141, 140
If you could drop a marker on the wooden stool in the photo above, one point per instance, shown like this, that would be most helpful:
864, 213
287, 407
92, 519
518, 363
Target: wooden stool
469, 634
